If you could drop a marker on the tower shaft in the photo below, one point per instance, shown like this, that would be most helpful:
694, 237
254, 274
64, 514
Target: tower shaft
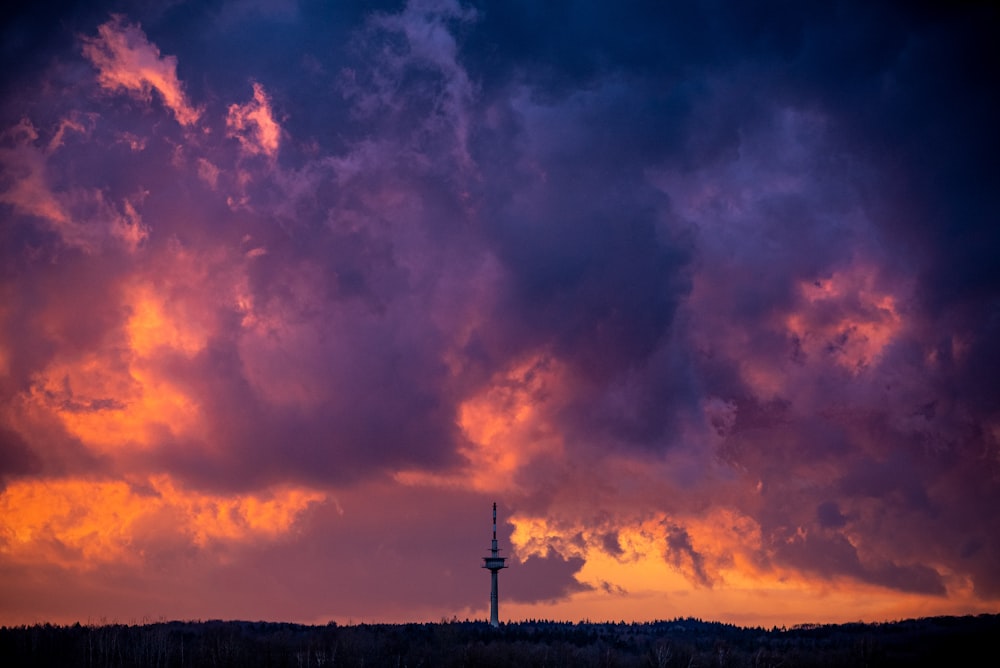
494, 600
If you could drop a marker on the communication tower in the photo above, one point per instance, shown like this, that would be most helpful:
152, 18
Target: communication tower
494, 563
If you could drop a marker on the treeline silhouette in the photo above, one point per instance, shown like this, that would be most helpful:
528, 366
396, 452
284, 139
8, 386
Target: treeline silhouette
679, 642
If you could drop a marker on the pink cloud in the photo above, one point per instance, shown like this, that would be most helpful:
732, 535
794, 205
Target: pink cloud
126, 60
254, 126
84, 218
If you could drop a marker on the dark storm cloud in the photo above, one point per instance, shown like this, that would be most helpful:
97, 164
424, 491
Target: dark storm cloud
830, 555
612, 545
16, 457
544, 578
681, 553
829, 515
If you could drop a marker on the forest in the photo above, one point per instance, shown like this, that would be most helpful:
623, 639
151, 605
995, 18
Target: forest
680, 642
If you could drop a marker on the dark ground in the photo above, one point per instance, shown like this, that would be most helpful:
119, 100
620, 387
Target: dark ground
936, 641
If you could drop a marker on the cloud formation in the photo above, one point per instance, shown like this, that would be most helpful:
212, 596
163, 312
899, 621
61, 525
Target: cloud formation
709, 310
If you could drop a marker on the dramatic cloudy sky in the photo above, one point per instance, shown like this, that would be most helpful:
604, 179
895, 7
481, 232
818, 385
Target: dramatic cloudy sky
705, 295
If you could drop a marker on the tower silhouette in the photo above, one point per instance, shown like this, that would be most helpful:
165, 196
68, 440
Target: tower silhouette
494, 562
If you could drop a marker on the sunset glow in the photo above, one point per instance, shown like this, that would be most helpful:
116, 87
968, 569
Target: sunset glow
293, 292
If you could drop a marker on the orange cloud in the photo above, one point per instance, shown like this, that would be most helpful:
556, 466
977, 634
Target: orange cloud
80, 523
506, 427
115, 397
254, 126
843, 322
847, 317
156, 324
642, 580
126, 60
109, 409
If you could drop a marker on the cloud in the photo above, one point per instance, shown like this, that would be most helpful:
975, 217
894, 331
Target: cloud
543, 578
254, 126
80, 524
682, 554
82, 217
416, 69
27, 190
125, 59
16, 456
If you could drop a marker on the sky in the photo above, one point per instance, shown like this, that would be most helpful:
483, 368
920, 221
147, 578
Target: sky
704, 295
